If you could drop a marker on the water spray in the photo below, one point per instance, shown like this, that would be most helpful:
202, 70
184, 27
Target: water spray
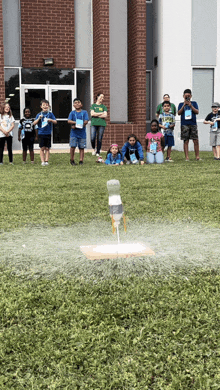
115, 205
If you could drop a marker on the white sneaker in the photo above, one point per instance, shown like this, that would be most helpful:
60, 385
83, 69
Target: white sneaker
46, 163
93, 152
43, 164
97, 154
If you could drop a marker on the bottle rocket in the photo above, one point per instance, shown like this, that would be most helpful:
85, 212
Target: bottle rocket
115, 203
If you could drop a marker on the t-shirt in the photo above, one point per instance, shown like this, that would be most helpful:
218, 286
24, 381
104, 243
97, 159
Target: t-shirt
212, 118
44, 127
166, 120
132, 149
159, 109
154, 137
111, 160
26, 126
96, 121
184, 116
79, 117
6, 122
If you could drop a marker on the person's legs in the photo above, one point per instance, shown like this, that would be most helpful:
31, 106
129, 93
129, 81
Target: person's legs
214, 149
218, 151
196, 148
42, 154
159, 159
93, 136
186, 148
72, 153
101, 130
2, 146
9, 147
169, 152
150, 158
47, 154
81, 154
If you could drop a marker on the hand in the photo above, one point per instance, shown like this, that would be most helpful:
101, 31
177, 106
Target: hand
121, 163
40, 117
212, 123
142, 162
36, 138
19, 139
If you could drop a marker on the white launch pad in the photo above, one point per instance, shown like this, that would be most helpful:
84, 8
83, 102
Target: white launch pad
112, 251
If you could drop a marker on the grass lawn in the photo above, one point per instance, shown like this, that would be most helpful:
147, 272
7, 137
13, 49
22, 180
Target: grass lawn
122, 330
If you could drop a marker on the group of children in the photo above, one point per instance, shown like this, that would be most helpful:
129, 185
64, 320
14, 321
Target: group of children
161, 135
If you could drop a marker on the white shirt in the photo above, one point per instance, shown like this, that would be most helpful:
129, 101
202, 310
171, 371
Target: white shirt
6, 122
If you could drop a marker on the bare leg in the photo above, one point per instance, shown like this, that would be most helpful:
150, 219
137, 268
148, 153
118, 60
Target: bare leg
214, 151
72, 153
186, 148
81, 153
218, 151
168, 151
47, 154
196, 148
32, 155
42, 154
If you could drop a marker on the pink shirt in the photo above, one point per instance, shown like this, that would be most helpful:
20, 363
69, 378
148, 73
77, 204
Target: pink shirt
156, 137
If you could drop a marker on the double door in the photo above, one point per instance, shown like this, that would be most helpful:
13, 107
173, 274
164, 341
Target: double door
60, 99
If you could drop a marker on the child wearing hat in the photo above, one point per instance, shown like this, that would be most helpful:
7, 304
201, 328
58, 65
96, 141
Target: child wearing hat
213, 119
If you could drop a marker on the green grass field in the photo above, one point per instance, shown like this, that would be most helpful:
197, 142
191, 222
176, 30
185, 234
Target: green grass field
138, 323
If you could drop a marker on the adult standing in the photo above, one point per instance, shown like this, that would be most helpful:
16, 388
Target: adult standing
98, 123
189, 129
159, 110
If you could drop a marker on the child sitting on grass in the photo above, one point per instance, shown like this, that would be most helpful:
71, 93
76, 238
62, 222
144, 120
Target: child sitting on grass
113, 156
155, 144
26, 134
132, 151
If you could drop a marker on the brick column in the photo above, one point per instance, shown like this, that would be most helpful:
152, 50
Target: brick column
101, 66
2, 77
47, 30
137, 61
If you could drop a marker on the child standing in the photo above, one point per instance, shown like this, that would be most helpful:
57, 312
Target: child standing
213, 119
132, 150
7, 123
167, 124
26, 133
155, 144
114, 156
44, 121
78, 119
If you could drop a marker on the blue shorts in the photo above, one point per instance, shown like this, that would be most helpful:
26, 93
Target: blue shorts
169, 140
77, 141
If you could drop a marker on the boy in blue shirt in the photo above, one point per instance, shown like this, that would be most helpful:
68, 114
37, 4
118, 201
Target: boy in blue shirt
78, 118
189, 130
44, 121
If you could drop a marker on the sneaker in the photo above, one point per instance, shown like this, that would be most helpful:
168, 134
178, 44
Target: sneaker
43, 164
46, 163
11, 163
24, 162
1, 163
97, 154
81, 163
93, 152
72, 162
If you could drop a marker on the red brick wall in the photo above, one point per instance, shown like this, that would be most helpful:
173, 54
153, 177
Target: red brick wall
137, 61
2, 80
136, 69
47, 30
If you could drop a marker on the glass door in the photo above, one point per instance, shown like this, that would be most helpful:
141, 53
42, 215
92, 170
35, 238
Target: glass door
61, 99
61, 102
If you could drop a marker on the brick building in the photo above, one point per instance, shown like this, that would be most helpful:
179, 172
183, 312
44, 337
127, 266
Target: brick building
128, 49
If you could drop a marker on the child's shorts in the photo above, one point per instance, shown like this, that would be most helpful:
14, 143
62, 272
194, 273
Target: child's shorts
45, 141
215, 138
28, 142
77, 141
169, 140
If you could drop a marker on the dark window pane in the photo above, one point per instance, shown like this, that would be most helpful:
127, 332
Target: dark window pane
83, 88
61, 103
61, 132
33, 98
11, 83
47, 76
